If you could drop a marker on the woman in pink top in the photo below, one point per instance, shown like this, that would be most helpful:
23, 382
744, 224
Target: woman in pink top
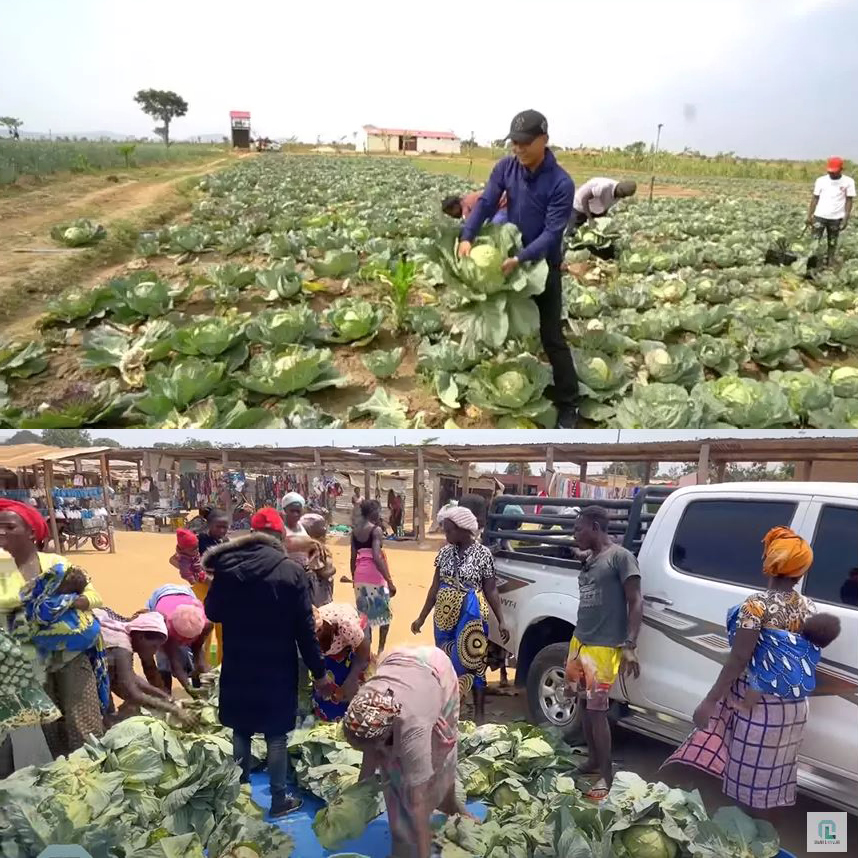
374, 587
187, 629
405, 720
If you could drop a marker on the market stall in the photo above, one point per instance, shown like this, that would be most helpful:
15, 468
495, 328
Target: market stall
71, 487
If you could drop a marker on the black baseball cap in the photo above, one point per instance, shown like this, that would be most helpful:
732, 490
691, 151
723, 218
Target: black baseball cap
527, 126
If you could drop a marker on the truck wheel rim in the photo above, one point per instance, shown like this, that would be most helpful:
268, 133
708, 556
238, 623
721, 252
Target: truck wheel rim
556, 707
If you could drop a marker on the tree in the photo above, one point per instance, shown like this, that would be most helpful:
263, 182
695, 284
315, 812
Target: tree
633, 470
25, 436
66, 438
11, 123
105, 442
164, 105
516, 468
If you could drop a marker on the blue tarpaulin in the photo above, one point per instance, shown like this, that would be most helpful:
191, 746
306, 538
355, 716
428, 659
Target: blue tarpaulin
374, 842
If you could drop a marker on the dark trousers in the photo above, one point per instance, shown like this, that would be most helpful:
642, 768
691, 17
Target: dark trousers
277, 765
830, 228
564, 392
578, 220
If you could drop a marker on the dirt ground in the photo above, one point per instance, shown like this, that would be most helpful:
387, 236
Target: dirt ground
26, 219
125, 581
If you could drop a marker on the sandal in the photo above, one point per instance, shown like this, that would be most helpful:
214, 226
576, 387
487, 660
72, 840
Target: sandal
597, 793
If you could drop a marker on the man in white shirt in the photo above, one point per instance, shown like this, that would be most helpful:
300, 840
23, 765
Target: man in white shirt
594, 199
831, 205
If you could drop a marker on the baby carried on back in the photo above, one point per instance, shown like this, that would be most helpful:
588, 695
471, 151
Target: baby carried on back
784, 663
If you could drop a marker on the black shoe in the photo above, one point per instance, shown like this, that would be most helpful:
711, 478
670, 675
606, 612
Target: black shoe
284, 805
567, 417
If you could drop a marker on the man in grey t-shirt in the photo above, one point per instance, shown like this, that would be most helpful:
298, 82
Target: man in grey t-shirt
609, 619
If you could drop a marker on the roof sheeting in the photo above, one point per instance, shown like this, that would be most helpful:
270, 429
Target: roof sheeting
439, 456
374, 131
27, 455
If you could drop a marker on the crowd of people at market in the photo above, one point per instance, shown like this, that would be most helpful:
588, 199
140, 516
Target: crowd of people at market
261, 605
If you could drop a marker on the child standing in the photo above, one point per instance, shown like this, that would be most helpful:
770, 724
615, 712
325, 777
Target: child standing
320, 562
187, 561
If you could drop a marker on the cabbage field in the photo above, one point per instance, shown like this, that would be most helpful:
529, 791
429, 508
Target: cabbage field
325, 291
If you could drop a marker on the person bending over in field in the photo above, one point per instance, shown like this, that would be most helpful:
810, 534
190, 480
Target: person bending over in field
595, 198
460, 208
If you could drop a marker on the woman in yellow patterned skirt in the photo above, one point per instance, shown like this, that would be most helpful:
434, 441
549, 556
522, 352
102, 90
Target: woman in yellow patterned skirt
462, 592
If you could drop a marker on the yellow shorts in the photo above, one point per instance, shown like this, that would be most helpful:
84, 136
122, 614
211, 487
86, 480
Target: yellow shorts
593, 669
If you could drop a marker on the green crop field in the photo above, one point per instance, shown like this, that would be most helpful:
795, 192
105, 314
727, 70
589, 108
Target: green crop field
307, 291
38, 158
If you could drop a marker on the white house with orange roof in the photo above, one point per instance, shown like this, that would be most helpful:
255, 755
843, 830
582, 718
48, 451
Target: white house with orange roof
373, 139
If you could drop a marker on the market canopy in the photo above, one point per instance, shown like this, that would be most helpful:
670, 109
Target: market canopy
27, 455
391, 457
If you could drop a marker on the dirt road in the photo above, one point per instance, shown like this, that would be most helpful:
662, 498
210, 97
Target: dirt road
26, 220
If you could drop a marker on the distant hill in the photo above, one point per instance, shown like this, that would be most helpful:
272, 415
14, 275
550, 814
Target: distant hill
112, 136
88, 135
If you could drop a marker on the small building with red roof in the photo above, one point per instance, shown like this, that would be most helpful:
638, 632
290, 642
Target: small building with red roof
374, 139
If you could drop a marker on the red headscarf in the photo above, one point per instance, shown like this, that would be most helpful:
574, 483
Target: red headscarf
267, 518
29, 515
186, 539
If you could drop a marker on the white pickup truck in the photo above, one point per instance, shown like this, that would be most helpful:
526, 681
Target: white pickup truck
699, 550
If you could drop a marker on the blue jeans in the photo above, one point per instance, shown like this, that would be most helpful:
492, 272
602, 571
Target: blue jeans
278, 760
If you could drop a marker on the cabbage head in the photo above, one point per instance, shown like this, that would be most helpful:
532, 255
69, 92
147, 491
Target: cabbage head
487, 258
743, 403
844, 381
806, 392
602, 377
78, 233
352, 320
658, 406
648, 841
512, 387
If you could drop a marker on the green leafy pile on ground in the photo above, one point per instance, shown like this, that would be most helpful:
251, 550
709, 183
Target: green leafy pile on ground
141, 791
524, 774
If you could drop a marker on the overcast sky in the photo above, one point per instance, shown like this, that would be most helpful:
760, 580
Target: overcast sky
760, 77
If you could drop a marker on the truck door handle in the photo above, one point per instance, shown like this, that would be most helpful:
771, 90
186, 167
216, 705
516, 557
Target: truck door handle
658, 600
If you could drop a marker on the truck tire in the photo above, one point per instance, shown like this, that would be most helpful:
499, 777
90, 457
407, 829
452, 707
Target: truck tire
546, 693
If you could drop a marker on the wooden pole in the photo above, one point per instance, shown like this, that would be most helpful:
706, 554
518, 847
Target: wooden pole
414, 514
549, 469
703, 465
582, 472
224, 457
720, 470
105, 485
139, 473
647, 474
466, 477
420, 524
367, 483
805, 470
49, 499
521, 478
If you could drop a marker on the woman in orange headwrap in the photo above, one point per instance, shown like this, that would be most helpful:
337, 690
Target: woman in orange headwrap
754, 748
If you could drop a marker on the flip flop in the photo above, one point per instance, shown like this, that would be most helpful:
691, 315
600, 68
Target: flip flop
597, 794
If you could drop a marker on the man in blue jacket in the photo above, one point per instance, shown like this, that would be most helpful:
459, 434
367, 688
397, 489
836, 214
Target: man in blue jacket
539, 194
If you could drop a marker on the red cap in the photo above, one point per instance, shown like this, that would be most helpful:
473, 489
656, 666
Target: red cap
267, 518
835, 165
186, 538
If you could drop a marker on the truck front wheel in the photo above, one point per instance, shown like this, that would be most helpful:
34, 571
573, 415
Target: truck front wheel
546, 693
